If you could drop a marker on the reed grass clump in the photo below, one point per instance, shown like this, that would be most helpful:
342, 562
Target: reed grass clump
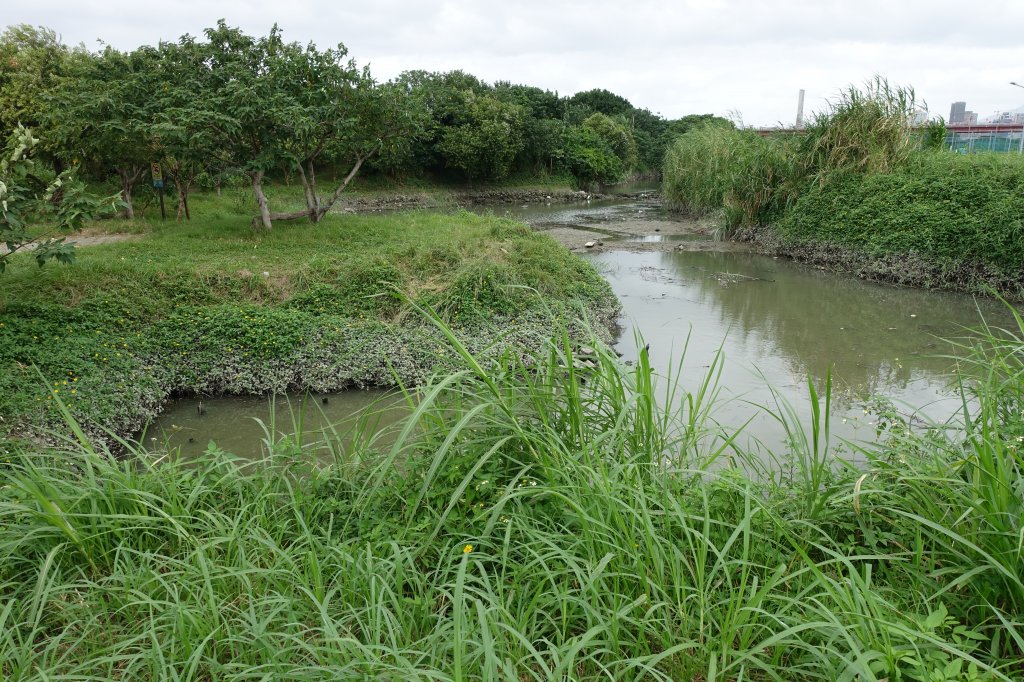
716, 168
867, 130
559, 518
754, 179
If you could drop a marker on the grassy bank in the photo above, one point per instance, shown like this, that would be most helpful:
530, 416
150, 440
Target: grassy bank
211, 307
538, 528
960, 219
861, 190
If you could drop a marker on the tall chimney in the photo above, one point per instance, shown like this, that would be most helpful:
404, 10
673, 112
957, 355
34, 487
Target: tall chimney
800, 110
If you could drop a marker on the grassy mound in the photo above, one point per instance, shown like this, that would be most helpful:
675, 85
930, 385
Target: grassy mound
210, 307
945, 207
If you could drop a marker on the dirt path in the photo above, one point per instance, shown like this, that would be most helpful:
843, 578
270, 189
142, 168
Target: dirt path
83, 240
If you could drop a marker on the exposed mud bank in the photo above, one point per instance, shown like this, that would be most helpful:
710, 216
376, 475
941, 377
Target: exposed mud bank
371, 203
900, 269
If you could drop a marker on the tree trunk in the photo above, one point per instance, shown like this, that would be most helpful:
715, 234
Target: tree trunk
323, 209
263, 219
182, 185
128, 178
183, 189
309, 192
319, 210
315, 215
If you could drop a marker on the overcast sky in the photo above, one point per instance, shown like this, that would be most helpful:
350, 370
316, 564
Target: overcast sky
674, 57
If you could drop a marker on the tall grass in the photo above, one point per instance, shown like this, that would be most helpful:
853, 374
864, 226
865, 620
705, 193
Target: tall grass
753, 179
556, 517
716, 168
867, 130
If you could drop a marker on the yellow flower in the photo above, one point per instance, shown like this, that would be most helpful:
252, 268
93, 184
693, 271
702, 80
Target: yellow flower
467, 549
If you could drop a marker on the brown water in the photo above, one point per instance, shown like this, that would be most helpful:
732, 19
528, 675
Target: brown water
243, 425
775, 321
778, 323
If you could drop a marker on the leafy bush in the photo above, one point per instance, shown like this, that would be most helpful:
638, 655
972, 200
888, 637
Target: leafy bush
588, 158
946, 207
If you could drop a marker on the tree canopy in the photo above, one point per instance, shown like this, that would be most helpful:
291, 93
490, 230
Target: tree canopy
227, 104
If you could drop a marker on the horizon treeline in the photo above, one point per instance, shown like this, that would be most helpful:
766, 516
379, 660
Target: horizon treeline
229, 107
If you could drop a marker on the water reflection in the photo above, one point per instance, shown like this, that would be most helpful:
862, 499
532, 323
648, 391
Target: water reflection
778, 323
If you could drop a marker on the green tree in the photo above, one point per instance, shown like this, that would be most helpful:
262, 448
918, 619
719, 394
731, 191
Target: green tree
275, 104
32, 59
588, 158
601, 101
345, 118
542, 124
30, 194
183, 130
250, 112
101, 111
617, 136
484, 142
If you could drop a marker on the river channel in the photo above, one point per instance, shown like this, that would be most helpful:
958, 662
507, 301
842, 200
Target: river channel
775, 322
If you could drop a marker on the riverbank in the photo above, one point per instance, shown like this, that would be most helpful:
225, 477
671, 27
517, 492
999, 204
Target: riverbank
911, 269
211, 308
442, 198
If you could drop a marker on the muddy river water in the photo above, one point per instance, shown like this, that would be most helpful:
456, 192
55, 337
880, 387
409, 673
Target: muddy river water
776, 323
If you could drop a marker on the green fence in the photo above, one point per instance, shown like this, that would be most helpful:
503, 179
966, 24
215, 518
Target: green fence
985, 141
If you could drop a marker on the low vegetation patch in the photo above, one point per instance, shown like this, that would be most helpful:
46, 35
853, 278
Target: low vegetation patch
211, 307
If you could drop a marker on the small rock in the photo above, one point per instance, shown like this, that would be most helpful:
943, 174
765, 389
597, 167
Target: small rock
586, 350
590, 245
266, 274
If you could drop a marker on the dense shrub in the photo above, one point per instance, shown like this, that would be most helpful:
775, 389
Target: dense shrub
942, 206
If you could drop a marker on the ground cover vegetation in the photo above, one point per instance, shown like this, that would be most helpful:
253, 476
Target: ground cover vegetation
532, 520
862, 189
212, 307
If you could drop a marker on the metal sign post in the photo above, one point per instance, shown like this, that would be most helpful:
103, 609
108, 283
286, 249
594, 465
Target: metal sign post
158, 184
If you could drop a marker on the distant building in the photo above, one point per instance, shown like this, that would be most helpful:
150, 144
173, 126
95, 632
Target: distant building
970, 118
957, 111
1007, 117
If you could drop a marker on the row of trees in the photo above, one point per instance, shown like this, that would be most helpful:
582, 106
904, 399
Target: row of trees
233, 104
